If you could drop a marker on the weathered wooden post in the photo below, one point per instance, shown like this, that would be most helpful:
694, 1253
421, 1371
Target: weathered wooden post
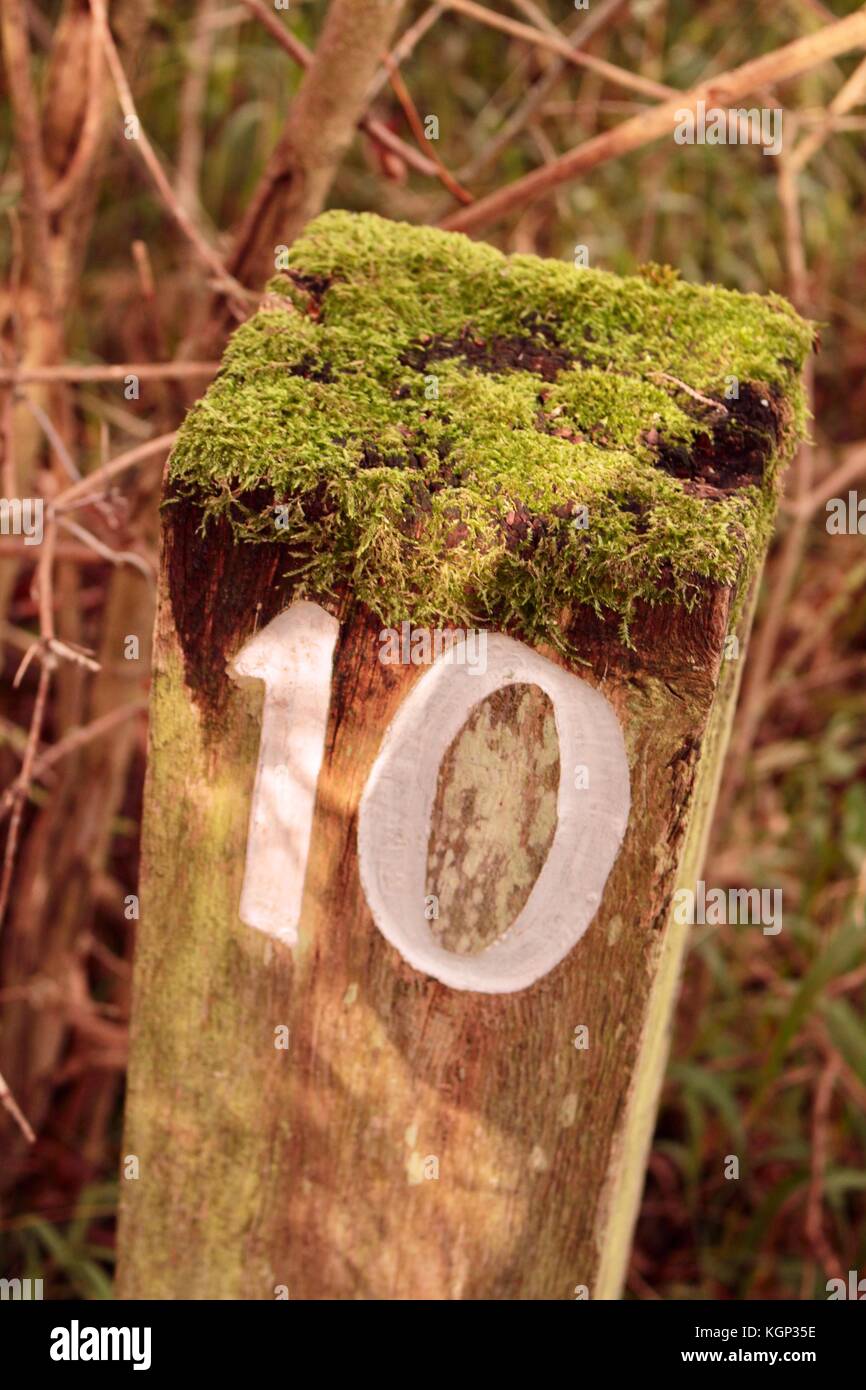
458, 552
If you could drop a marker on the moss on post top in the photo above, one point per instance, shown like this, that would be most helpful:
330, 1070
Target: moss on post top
462, 436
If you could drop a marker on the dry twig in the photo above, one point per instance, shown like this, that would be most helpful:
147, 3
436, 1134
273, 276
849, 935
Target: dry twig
145, 371
620, 77
303, 56
10, 1104
416, 125
223, 281
725, 88
82, 493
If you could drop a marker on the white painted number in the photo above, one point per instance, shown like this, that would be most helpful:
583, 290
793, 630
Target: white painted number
293, 655
396, 808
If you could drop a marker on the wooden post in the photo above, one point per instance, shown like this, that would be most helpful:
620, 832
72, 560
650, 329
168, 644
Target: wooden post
458, 565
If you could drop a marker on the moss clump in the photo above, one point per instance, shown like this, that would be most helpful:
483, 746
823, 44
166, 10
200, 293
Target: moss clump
462, 436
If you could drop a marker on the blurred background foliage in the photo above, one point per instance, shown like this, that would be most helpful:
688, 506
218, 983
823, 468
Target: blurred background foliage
769, 1050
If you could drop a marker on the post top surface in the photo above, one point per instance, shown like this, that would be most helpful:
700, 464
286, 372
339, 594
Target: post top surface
459, 435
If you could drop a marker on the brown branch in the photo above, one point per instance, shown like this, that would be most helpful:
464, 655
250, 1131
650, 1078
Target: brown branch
52, 434
381, 135
145, 371
82, 493
728, 87
105, 552
559, 45
536, 16
758, 685
78, 738
662, 90
28, 139
795, 251
405, 47
10, 1104
303, 56
848, 472
849, 94
192, 103
322, 118
8, 472
19, 550
22, 783
79, 166
224, 282
585, 29
416, 125
296, 49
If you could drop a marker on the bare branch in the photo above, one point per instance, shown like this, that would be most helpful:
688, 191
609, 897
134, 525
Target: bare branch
23, 781
62, 192
114, 557
416, 125
728, 87
405, 47
583, 31
303, 57
28, 137
557, 44
849, 94
52, 434
78, 738
85, 491
192, 101
119, 371
321, 121
10, 1104
689, 390
225, 283
848, 472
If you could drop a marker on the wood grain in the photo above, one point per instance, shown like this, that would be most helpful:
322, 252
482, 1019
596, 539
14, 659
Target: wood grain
414, 1141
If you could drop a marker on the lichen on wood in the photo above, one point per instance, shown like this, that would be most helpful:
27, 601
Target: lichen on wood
494, 817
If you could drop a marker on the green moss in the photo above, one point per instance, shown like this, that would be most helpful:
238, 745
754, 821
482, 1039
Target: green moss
433, 414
